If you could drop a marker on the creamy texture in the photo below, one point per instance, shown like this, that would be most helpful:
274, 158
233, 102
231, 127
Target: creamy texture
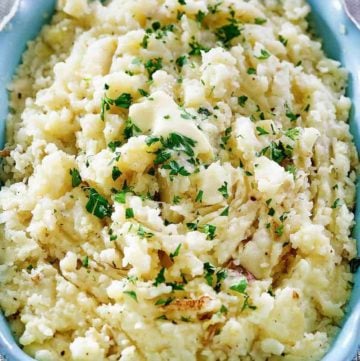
179, 185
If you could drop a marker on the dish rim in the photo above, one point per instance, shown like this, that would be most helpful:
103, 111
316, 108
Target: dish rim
329, 18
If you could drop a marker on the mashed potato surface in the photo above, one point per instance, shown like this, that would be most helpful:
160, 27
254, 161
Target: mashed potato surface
178, 185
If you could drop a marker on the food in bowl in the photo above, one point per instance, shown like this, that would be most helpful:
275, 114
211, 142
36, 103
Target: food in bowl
178, 185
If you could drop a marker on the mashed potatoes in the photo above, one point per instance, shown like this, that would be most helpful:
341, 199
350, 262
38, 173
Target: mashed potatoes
179, 185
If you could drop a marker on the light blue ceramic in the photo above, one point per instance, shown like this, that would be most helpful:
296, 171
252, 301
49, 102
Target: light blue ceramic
328, 17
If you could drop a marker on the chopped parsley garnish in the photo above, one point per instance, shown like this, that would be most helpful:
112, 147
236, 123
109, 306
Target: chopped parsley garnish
143, 92
242, 100
213, 9
176, 200
292, 133
142, 233
181, 61
261, 131
223, 309
132, 294
199, 196
98, 205
160, 278
129, 213
277, 151
85, 262
220, 276
164, 302
175, 286
291, 169
120, 197
283, 40
179, 15
226, 137
130, 129
114, 144
115, 173
271, 212
145, 41
200, 16
279, 230
162, 156
196, 48
175, 142
227, 32
122, 101
264, 54
204, 111
75, 177
192, 226
289, 114
151, 140
249, 174
240, 287
284, 216
260, 21
209, 273
251, 71
336, 203
176, 252
182, 2
153, 65
224, 190
210, 230
225, 212
176, 169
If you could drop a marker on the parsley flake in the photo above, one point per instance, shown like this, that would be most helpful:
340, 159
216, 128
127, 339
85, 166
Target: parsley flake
260, 21
114, 144
176, 252
336, 203
227, 33
289, 114
199, 196
130, 129
153, 65
224, 190
115, 173
261, 131
264, 54
210, 230
181, 61
292, 133
132, 294
160, 278
143, 92
75, 177
200, 16
196, 48
98, 205
240, 287
129, 213
85, 262
242, 100
283, 40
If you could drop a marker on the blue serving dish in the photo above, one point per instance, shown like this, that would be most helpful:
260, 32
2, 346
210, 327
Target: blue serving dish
329, 20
